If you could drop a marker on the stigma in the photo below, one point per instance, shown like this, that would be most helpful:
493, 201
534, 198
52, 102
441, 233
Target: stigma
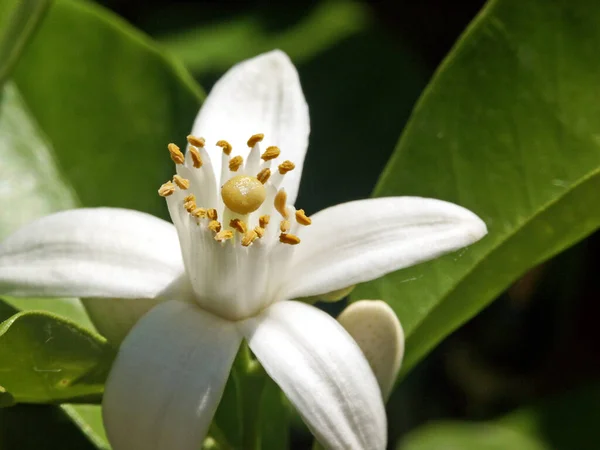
249, 195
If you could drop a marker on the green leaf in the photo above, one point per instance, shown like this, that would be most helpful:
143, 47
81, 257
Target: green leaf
18, 21
46, 359
468, 436
508, 128
109, 102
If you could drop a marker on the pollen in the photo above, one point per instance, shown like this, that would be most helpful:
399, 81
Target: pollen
189, 198
196, 159
189, 203
286, 167
226, 146
260, 232
249, 238
196, 141
212, 214
176, 154
235, 163
243, 194
215, 226
224, 235
166, 189
270, 153
284, 226
238, 225
263, 175
280, 203
181, 182
255, 139
302, 218
199, 213
263, 221
290, 239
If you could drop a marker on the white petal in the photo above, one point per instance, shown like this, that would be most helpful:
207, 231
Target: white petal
377, 331
323, 372
168, 379
260, 95
96, 252
114, 317
362, 240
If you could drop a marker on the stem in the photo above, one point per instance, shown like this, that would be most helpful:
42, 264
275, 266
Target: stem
252, 381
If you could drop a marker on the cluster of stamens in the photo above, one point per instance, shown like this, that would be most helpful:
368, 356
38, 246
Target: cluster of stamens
241, 194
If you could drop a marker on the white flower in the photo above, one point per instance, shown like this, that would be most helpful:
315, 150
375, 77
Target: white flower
222, 274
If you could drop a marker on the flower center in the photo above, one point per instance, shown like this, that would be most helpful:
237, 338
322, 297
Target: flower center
243, 194
250, 192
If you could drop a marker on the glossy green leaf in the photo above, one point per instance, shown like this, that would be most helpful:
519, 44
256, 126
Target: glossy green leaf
18, 22
468, 436
508, 128
109, 102
46, 359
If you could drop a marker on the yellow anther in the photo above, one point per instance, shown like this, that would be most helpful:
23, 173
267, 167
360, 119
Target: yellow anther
302, 218
290, 239
214, 225
249, 238
223, 235
212, 214
235, 163
196, 159
181, 182
284, 226
196, 141
263, 175
243, 194
263, 221
280, 203
199, 213
255, 139
260, 232
238, 225
166, 189
189, 198
285, 167
190, 206
271, 153
176, 154
226, 146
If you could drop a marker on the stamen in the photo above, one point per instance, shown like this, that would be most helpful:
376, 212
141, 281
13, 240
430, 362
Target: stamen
255, 139
166, 189
214, 225
280, 203
196, 159
285, 167
263, 175
263, 221
302, 218
176, 154
224, 235
271, 153
290, 239
196, 141
226, 146
212, 214
189, 203
238, 225
249, 238
260, 232
181, 182
284, 226
235, 163
199, 213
